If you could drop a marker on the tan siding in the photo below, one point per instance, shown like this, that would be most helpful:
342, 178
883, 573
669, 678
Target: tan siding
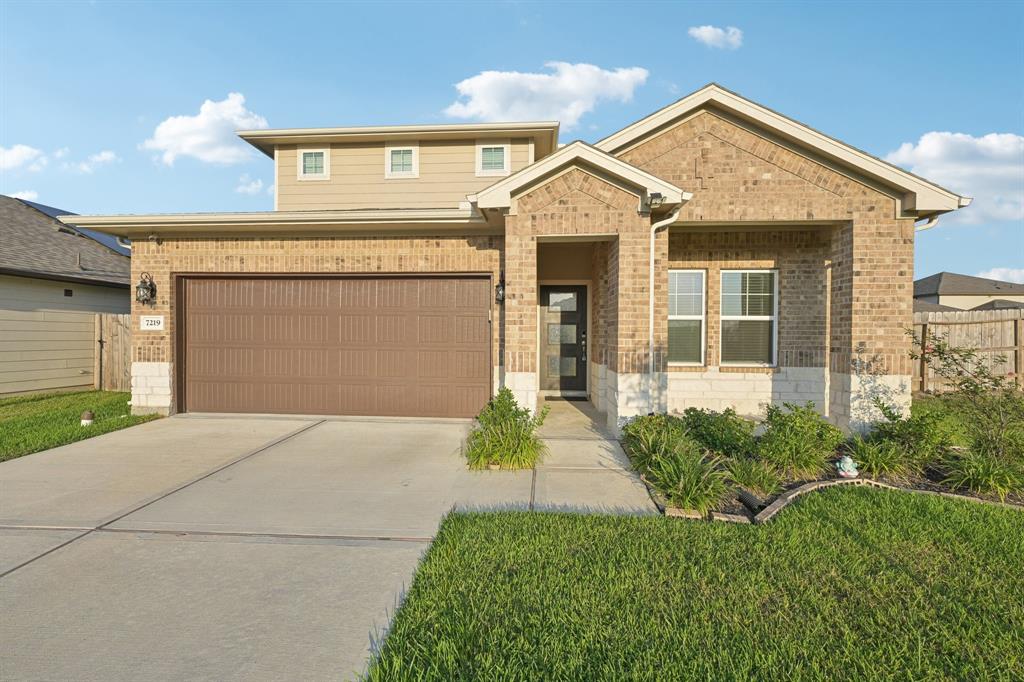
447, 174
45, 350
25, 293
968, 301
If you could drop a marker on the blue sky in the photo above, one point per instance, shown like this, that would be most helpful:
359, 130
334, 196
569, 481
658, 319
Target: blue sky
936, 87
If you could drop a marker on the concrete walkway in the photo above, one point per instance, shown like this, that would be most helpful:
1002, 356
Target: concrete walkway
241, 548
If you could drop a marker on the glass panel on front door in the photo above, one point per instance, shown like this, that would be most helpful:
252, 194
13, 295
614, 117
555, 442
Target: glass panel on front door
563, 312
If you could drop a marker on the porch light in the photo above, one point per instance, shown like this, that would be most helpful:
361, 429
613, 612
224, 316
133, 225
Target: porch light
145, 290
499, 290
656, 200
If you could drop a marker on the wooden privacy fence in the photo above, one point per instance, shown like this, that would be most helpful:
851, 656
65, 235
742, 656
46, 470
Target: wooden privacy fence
44, 350
998, 335
113, 352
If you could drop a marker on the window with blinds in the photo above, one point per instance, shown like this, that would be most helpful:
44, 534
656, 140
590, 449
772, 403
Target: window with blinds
686, 317
401, 161
749, 317
314, 164
492, 158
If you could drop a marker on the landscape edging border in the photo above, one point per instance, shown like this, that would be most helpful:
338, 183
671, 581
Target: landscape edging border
783, 500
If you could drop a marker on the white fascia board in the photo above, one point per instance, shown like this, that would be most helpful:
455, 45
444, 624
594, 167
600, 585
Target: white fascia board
930, 198
499, 195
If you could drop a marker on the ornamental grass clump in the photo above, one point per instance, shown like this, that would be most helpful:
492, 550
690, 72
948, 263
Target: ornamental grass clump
982, 473
505, 435
797, 441
688, 476
754, 475
880, 458
724, 433
651, 436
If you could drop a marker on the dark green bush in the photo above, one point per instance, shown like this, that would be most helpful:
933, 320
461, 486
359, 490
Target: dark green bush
723, 433
505, 435
797, 441
651, 436
688, 477
754, 475
880, 458
922, 437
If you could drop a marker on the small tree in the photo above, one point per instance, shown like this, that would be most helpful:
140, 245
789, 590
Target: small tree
992, 406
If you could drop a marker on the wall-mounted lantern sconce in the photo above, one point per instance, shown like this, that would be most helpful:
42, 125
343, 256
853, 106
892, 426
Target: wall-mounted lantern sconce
655, 200
145, 290
499, 290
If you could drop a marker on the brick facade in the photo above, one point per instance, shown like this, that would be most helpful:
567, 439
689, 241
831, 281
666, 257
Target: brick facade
845, 265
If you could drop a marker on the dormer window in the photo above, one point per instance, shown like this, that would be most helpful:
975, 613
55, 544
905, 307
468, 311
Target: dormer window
314, 164
402, 161
492, 157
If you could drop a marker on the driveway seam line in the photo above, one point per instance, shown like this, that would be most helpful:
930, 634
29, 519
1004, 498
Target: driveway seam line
102, 526
252, 534
47, 552
252, 453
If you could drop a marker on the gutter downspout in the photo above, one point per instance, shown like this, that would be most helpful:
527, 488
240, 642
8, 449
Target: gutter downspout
932, 222
665, 222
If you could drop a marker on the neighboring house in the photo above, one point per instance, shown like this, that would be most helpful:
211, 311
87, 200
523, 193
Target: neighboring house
53, 277
963, 292
413, 270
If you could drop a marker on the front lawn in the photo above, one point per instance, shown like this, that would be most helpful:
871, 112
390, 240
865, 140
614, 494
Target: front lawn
37, 422
851, 583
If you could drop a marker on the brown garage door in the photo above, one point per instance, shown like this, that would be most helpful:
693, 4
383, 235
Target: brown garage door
348, 346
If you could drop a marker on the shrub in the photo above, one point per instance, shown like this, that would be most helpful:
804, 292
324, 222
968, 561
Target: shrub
687, 477
799, 442
724, 433
992, 408
505, 435
651, 436
983, 473
754, 475
878, 458
921, 437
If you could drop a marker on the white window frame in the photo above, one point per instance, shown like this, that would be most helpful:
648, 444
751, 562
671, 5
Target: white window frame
507, 170
774, 317
702, 317
414, 147
326, 175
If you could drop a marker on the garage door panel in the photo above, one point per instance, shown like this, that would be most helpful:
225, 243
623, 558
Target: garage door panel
415, 346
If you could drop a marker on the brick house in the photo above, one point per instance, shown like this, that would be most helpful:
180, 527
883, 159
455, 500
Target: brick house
713, 254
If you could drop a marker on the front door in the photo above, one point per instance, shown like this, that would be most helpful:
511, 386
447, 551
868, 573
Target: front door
563, 338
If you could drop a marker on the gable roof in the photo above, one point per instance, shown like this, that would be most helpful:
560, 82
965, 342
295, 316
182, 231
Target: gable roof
950, 283
38, 245
499, 195
923, 198
928, 307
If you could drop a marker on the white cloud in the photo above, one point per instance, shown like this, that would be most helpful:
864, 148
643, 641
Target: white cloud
26, 194
989, 168
21, 155
208, 136
247, 185
271, 189
1004, 274
89, 165
565, 95
728, 38
61, 153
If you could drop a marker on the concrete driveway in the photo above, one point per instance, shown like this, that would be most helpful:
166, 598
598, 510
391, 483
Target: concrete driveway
243, 548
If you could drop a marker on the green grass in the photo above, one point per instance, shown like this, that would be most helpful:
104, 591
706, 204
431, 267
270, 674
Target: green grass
37, 422
851, 583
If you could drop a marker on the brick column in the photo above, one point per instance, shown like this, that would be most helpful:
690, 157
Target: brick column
871, 304
521, 312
